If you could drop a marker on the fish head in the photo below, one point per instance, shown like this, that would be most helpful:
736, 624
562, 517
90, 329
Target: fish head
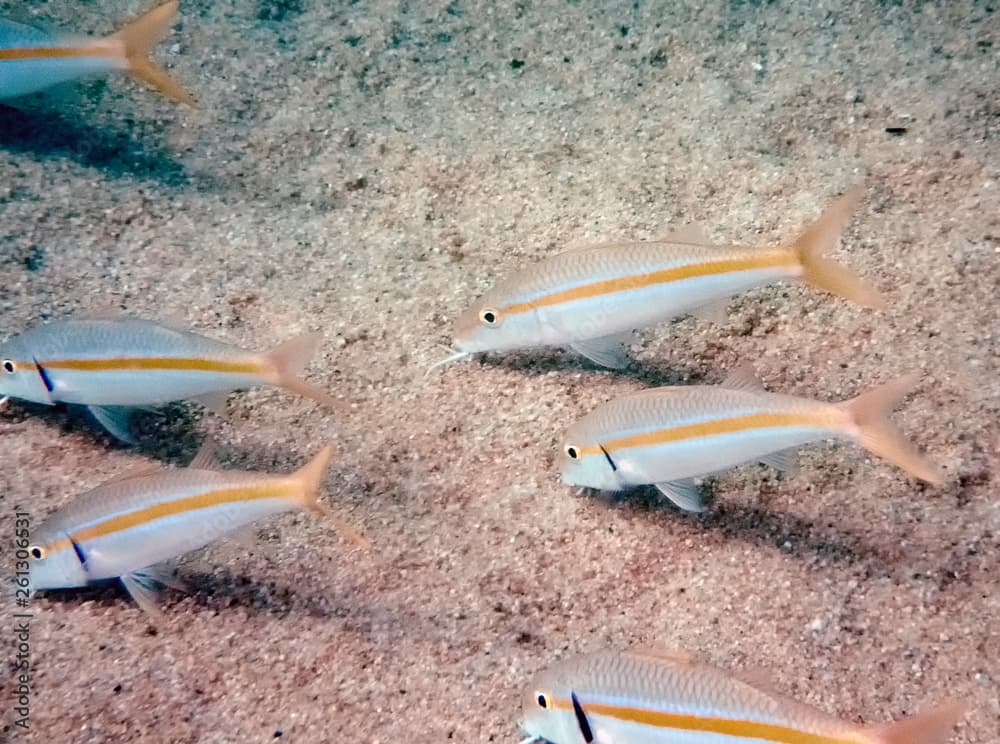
547, 712
54, 562
495, 323
585, 461
20, 375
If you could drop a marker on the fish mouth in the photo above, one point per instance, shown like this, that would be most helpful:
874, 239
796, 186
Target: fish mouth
532, 738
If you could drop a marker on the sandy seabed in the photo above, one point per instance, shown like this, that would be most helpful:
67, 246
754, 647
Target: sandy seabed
367, 170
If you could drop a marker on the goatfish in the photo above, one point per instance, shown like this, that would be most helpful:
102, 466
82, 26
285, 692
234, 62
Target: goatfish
591, 299
125, 527
657, 697
669, 436
114, 366
32, 60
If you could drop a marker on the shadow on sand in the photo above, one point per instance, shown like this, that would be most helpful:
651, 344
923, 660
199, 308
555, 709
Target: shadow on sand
796, 537
545, 360
220, 591
169, 433
47, 134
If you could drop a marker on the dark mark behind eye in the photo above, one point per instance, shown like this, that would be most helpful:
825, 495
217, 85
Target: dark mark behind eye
79, 552
611, 462
44, 375
581, 719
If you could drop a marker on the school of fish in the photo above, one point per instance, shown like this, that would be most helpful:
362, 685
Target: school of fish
589, 299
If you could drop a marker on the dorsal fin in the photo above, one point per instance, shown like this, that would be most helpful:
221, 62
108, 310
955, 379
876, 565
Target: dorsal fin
138, 471
105, 312
664, 655
758, 679
207, 456
693, 233
743, 377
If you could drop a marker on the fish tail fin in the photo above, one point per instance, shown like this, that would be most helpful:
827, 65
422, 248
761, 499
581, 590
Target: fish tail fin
870, 413
311, 477
930, 727
824, 273
139, 37
291, 358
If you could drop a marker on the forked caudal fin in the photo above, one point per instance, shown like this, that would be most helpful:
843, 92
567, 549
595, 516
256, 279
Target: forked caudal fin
290, 359
931, 727
870, 413
825, 273
311, 477
139, 37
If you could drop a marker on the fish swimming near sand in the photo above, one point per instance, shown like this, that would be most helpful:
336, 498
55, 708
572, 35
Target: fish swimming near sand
591, 299
32, 60
656, 697
125, 527
117, 365
669, 436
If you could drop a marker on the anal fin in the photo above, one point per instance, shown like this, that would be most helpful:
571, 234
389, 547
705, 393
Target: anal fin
716, 311
247, 538
214, 402
785, 460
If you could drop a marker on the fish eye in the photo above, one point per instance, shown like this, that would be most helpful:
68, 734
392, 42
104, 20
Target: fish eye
489, 316
8, 366
38, 553
572, 452
542, 700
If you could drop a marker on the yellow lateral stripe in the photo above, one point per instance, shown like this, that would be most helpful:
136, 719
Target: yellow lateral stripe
721, 726
275, 490
711, 428
60, 545
129, 364
760, 260
35, 53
